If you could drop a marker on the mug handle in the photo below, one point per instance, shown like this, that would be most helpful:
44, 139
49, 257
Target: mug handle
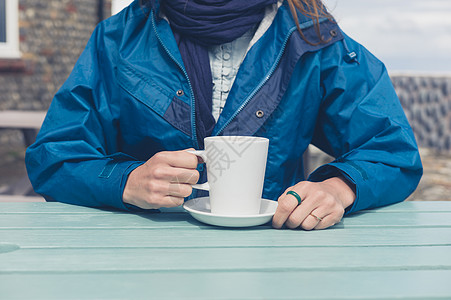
200, 186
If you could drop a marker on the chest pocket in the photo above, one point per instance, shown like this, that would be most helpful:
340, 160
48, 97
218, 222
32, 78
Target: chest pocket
166, 103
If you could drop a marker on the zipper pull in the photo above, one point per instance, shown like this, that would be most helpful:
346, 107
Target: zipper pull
351, 57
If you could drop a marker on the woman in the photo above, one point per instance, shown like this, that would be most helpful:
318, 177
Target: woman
162, 75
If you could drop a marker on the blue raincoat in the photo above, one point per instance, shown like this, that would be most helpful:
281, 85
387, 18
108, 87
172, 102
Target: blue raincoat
129, 97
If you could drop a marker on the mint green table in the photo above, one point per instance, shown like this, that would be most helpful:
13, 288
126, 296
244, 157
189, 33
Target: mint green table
58, 251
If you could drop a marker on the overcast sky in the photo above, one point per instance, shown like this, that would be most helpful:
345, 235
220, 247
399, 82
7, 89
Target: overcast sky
407, 35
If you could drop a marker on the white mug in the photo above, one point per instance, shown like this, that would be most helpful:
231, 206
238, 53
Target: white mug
235, 171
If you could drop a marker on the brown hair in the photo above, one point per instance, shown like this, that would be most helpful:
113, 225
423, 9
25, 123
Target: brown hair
314, 9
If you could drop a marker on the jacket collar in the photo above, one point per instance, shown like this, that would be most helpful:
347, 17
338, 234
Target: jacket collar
261, 60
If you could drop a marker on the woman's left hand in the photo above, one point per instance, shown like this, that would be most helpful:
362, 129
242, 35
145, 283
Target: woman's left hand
323, 204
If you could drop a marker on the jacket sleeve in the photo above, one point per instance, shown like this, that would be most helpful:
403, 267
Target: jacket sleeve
362, 125
76, 158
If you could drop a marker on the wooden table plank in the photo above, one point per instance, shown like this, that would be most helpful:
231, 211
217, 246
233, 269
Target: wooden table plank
406, 206
162, 220
414, 206
49, 207
192, 237
230, 285
401, 251
225, 259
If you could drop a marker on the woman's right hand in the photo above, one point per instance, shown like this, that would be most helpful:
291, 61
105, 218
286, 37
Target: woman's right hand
163, 181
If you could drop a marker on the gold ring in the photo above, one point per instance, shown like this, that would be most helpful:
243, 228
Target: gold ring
317, 218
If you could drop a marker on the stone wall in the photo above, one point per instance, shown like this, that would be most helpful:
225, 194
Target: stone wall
52, 36
427, 103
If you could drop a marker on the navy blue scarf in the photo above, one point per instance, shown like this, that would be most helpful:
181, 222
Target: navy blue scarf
198, 24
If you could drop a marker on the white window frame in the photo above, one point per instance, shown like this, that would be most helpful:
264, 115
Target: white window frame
10, 49
118, 5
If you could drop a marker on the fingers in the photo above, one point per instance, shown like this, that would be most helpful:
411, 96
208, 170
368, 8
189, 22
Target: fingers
326, 222
165, 195
297, 217
163, 181
319, 208
179, 190
305, 216
177, 175
185, 176
180, 159
174, 194
287, 203
166, 201
313, 220
161, 189
317, 219
172, 201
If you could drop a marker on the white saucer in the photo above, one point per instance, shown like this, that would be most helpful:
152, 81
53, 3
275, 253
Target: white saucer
199, 208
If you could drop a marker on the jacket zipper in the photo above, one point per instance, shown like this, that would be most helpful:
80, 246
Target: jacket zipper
261, 84
193, 111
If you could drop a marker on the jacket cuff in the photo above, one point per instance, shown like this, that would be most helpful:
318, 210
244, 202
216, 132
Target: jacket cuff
117, 174
349, 172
